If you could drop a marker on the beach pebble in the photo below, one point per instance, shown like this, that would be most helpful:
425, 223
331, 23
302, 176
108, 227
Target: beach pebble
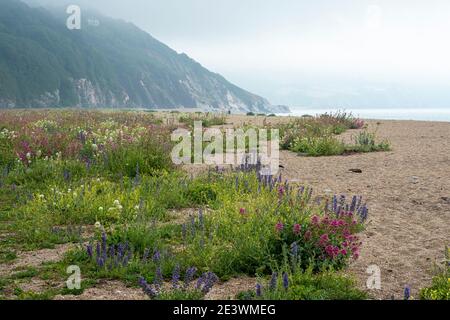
414, 179
446, 199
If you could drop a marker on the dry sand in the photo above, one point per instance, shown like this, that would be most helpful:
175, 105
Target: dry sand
408, 195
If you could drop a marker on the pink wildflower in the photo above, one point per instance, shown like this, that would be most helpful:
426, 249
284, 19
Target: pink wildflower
297, 229
279, 226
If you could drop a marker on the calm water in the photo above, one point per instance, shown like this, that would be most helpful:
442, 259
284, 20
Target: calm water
428, 114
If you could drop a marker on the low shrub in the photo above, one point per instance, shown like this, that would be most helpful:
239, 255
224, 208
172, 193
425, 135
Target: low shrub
306, 286
366, 142
207, 120
260, 222
440, 288
318, 146
180, 290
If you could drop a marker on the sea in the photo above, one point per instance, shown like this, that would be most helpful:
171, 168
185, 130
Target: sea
425, 114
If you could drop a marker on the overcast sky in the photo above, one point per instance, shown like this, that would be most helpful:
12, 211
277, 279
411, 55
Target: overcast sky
295, 51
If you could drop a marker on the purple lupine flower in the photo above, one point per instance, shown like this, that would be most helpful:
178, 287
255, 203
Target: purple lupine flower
358, 203
112, 251
192, 225
98, 252
335, 204
407, 293
294, 250
285, 281
301, 190
156, 256
175, 277
259, 177
148, 289
189, 276
363, 213
342, 199
142, 282
338, 211
210, 280
200, 281
158, 280
273, 281
89, 250
120, 252
66, 174
127, 259
258, 290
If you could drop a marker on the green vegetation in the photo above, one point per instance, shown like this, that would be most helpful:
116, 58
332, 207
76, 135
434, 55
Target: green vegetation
318, 136
105, 179
207, 119
440, 288
305, 285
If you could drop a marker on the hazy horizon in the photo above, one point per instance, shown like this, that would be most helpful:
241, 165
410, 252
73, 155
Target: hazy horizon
349, 53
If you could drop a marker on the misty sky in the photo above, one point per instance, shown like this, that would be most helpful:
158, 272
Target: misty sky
369, 53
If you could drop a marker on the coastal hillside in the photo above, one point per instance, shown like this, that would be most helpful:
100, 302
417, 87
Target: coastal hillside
107, 63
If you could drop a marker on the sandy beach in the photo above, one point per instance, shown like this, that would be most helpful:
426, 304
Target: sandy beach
408, 194
407, 191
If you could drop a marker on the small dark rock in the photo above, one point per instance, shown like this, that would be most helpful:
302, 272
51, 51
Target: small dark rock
355, 170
